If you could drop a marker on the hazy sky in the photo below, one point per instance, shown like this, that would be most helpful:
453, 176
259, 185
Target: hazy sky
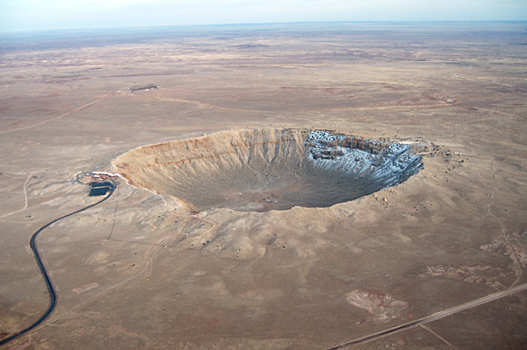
72, 14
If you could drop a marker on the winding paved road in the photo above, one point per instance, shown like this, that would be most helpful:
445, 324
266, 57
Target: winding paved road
361, 340
43, 271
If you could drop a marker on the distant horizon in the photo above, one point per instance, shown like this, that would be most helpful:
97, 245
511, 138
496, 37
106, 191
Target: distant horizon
40, 15
248, 24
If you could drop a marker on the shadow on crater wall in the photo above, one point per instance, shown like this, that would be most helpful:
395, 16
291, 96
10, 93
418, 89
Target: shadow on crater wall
268, 169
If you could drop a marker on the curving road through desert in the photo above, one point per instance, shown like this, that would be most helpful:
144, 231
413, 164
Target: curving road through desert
44, 272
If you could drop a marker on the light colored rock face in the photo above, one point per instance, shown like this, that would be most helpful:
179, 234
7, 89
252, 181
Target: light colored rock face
383, 307
267, 169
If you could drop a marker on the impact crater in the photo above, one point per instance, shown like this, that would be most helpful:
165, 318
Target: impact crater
268, 169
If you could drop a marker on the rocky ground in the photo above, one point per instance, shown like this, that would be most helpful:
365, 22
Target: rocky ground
144, 271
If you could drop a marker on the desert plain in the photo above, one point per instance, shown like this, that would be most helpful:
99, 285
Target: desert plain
146, 270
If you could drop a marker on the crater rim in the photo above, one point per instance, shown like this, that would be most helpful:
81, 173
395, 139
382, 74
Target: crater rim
310, 168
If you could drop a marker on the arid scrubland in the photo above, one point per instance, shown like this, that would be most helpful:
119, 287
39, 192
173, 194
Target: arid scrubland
144, 270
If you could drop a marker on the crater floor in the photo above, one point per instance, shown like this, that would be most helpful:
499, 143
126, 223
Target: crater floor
268, 169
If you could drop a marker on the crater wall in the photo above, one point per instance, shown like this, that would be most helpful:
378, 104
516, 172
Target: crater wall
267, 169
